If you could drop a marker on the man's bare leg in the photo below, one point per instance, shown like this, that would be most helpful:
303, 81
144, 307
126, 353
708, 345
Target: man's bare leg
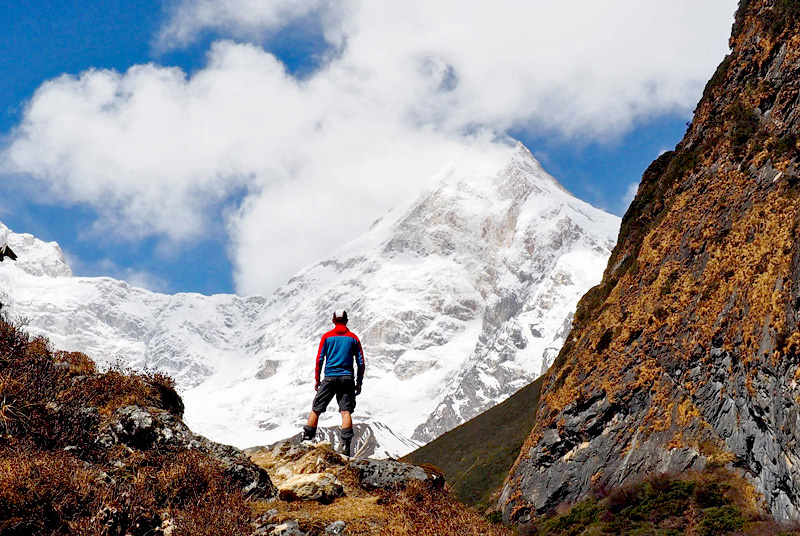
347, 432
347, 419
313, 419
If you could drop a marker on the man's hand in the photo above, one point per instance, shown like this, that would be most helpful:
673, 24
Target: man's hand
358, 389
316, 385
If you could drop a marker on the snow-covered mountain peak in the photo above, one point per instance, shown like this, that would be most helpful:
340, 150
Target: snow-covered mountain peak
460, 298
523, 159
35, 256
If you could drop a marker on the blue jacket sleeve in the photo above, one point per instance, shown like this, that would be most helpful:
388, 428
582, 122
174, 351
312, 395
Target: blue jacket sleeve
359, 362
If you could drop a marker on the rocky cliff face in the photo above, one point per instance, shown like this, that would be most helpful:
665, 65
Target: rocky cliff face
687, 355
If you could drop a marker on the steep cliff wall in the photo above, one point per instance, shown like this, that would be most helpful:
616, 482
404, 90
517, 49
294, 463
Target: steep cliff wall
688, 353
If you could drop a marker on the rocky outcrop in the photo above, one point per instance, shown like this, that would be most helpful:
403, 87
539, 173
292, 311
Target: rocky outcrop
287, 528
390, 474
687, 355
147, 428
287, 461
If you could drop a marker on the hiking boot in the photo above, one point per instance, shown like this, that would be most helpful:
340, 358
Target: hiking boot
309, 433
347, 437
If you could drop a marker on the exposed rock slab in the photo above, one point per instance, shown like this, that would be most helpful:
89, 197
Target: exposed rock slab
391, 474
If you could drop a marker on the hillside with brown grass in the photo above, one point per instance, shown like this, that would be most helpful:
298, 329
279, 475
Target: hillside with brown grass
687, 355
57, 478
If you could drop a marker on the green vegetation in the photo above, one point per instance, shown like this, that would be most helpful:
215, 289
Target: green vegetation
605, 341
672, 278
685, 161
582, 515
784, 15
744, 123
721, 520
476, 456
786, 145
660, 506
718, 77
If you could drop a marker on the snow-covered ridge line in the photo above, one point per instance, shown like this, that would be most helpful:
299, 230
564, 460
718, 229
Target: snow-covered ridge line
460, 298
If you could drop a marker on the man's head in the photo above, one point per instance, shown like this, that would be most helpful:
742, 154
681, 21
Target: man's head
340, 316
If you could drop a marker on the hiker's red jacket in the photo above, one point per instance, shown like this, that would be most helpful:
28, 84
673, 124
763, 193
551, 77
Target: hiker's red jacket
338, 349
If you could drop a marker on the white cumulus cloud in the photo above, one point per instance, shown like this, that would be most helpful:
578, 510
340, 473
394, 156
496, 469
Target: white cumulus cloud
241, 18
155, 151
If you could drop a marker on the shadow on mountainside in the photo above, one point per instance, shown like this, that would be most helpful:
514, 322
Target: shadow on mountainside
476, 456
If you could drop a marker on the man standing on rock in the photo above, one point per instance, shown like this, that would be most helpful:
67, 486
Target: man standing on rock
338, 349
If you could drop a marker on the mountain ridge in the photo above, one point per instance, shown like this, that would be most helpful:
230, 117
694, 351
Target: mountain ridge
480, 273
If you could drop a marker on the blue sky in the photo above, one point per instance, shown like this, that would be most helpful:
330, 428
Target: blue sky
596, 148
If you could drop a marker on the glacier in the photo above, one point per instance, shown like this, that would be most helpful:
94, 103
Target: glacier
460, 298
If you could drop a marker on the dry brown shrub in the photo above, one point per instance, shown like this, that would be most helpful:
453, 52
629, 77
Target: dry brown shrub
44, 492
193, 491
424, 511
120, 387
12, 340
78, 362
223, 511
50, 401
181, 479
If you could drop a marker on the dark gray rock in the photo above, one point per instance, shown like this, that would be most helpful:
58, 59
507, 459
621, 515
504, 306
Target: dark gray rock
599, 443
391, 474
597, 446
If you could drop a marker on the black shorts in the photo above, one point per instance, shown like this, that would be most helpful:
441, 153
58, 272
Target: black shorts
343, 387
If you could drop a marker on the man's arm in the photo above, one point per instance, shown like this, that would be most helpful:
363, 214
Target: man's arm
360, 363
320, 359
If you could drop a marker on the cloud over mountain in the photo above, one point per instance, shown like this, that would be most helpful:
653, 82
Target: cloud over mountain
298, 166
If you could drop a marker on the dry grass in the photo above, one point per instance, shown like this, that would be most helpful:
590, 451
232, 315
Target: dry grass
430, 513
54, 478
49, 493
417, 509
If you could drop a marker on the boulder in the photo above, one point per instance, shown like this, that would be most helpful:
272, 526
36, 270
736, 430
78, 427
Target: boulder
286, 459
391, 474
321, 487
290, 528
